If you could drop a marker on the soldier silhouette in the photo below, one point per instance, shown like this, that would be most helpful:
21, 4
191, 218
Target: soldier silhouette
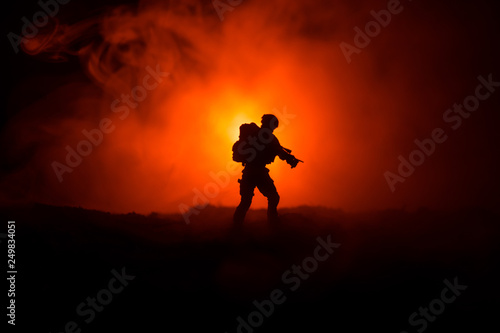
257, 147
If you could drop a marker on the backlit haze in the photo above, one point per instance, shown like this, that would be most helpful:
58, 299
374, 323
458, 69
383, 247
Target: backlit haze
349, 122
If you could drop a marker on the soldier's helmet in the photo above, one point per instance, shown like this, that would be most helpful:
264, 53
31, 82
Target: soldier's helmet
270, 121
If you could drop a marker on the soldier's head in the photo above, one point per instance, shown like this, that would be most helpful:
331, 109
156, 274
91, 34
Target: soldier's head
269, 121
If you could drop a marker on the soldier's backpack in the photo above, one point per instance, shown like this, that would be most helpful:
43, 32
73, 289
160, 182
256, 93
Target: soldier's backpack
239, 147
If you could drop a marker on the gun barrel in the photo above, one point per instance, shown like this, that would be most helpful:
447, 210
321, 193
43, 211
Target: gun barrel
289, 151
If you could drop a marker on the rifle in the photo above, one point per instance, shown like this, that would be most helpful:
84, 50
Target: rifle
294, 160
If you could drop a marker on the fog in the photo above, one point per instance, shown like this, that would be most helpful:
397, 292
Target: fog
161, 88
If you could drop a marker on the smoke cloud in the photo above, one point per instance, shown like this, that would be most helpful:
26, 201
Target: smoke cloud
149, 118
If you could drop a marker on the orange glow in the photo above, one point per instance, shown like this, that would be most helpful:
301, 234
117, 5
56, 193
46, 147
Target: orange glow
170, 146
348, 122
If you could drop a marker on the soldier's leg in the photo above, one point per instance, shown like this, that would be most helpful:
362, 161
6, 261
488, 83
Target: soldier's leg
246, 192
268, 189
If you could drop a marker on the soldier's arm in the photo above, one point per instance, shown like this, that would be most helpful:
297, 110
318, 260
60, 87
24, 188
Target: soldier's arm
284, 155
278, 149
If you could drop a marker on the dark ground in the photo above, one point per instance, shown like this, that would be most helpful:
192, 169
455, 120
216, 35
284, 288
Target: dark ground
200, 277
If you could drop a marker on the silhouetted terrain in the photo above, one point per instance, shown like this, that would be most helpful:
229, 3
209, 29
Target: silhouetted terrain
201, 277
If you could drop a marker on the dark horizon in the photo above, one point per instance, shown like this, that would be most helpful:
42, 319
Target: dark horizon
168, 267
201, 208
